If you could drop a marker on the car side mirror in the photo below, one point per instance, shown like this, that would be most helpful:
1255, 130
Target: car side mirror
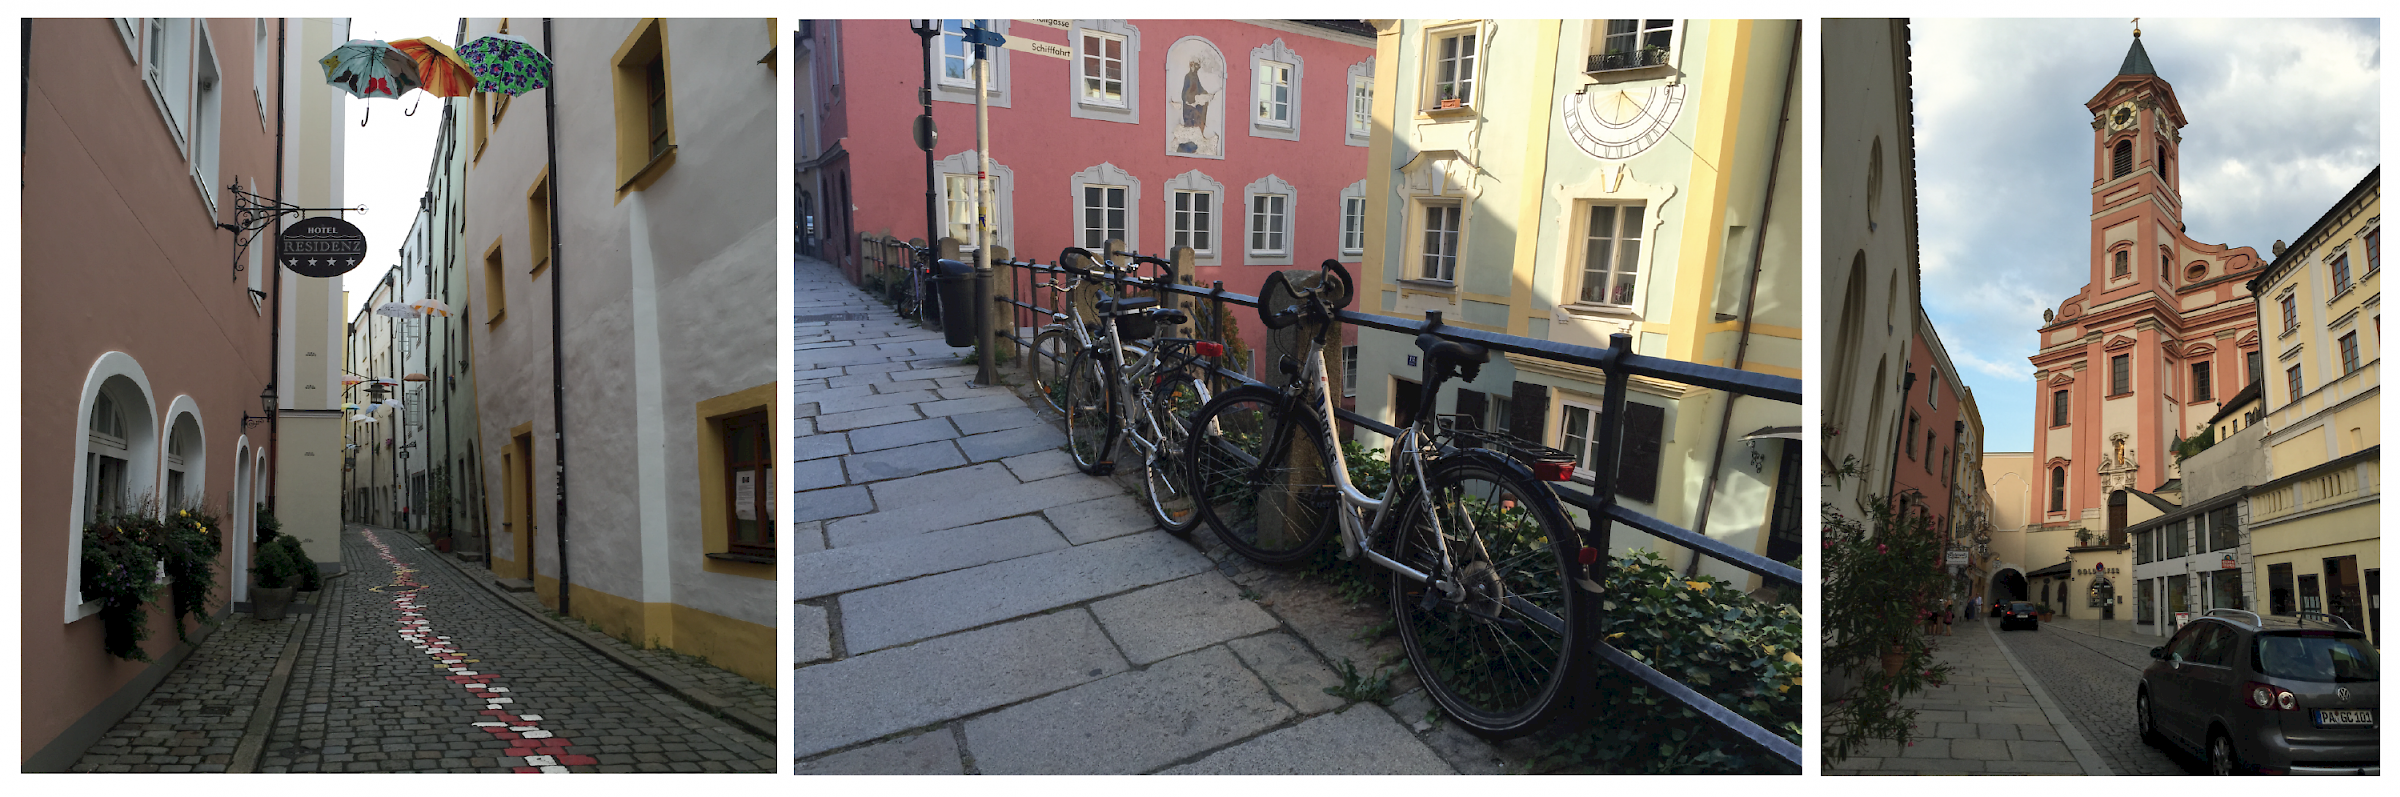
2158, 653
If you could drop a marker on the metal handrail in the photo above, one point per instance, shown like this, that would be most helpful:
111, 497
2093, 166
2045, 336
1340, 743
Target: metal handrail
1619, 364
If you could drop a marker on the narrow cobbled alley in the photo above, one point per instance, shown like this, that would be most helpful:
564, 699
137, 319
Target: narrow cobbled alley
407, 664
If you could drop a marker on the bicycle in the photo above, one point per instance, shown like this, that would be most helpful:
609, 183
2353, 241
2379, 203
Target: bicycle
1055, 344
1147, 402
920, 292
1487, 587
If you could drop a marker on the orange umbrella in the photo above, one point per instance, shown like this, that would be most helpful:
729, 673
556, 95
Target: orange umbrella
443, 72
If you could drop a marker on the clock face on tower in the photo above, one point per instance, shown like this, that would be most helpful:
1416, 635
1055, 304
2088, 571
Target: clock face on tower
2122, 117
1616, 124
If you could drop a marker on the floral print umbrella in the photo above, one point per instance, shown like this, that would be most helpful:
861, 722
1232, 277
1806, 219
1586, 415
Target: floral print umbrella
506, 64
443, 72
370, 68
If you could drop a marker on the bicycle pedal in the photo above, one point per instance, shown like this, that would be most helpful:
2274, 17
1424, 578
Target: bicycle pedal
1432, 596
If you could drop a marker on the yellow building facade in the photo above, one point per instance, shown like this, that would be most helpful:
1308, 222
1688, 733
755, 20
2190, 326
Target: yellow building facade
2314, 530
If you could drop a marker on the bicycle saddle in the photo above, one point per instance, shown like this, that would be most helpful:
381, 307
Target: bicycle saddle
1170, 316
1452, 351
1110, 305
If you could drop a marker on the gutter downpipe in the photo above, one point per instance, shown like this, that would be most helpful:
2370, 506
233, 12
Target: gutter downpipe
275, 328
1758, 247
558, 370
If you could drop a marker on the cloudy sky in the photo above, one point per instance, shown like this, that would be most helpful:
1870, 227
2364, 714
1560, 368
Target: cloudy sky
2284, 121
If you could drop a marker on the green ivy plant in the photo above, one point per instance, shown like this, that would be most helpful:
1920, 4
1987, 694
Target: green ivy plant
1880, 566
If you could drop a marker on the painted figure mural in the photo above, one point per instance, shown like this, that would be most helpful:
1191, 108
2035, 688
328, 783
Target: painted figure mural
1198, 71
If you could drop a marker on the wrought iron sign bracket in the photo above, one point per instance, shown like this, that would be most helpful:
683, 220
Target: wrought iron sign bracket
253, 213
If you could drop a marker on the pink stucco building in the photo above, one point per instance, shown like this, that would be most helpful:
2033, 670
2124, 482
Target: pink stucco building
1246, 140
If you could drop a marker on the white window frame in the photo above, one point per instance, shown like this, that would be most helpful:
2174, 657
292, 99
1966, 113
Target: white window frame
1085, 60
1286, 220
1180, 212
1198, 182
1420, 227
262, 53
1600, 36
959, 202
1271, 110
1107, 175
169, 79
1362, 105
1581, 252
129, 30
1434, 61
1001, 194
1085, 232
1267, 61
1591, 429
1128, 110
954, 34
1354, 224
1269, 229
949, 89
1350, 370
208, 116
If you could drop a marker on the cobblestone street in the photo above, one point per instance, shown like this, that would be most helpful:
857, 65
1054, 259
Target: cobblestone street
193, 719
1986, 720
409, 666
967, 602
2093, 678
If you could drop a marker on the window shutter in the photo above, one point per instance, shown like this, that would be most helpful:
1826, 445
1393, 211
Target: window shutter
1528, 407
1473, 405
1637, 460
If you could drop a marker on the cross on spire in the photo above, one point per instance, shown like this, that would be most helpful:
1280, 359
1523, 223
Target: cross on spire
2137, 27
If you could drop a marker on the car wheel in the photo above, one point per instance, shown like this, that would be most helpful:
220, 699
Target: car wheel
2147, 719
2222, 760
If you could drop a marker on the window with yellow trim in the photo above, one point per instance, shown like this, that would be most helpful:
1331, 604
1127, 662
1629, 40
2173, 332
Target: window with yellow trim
495, 278
537, 222
645, 105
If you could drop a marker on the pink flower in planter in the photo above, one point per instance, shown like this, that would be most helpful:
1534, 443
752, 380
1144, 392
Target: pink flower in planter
1881, 548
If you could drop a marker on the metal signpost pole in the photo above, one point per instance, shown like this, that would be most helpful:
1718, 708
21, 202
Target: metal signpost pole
987, 373
927, 30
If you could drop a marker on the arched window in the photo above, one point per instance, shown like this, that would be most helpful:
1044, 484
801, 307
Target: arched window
2121, 162
2160, 165
2058, 489
1874, 180
2166, 266
183, 477
2119, 264
104, 488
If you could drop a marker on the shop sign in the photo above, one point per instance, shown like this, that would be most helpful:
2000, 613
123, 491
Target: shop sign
321, 247
2228, 564
1957, 556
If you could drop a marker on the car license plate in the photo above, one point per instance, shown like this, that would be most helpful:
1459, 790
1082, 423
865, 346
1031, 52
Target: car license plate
2345, 716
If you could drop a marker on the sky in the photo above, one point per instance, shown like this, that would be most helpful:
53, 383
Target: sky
385, 163
2284, 120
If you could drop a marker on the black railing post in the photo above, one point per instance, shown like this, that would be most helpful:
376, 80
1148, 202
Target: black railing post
1604, 466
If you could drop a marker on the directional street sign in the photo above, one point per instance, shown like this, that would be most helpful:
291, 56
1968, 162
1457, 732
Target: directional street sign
1061, 24
1059, 51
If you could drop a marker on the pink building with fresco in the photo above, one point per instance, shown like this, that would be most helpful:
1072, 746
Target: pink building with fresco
1246, 140
2163, 332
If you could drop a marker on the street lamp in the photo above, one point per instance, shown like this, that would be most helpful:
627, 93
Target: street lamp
927, 30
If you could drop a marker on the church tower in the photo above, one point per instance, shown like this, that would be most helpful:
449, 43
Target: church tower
2162, 332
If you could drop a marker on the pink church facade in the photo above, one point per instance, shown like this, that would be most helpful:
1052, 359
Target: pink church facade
1243, 139
2163, 333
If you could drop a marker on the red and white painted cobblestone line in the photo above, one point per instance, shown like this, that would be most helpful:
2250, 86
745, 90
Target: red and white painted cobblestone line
541, 751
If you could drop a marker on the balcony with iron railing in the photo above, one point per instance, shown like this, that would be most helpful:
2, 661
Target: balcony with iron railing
1625, 59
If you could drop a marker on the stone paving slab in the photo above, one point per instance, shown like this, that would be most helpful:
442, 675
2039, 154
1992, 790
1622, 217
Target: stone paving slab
1985, 720
933, 752
1100, 519
1130, 723
859, 566
860, 419
831, 503
959, 497
864, 697
1361, 741
906, 433
894, 463
812, 639
1013, 417
1012, 442
1040, 465
1291, 670
894, 614
1179, 617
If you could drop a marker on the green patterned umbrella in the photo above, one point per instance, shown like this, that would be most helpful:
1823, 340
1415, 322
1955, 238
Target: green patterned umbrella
506, 64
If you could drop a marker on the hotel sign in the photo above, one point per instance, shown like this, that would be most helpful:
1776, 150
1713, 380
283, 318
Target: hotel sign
321, 247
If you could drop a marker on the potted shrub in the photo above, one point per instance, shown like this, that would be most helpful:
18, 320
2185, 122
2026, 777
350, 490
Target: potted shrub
1878, 562
310, 579
2043, 610
278, 578
1449, 99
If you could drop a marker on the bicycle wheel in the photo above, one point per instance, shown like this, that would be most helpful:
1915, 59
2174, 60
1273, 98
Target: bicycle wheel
1173, 402
1046, 366
1090, 399
1501, 649
904, 295
1274, 514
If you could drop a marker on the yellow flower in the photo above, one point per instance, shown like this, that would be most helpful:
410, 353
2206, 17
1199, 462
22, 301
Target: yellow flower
1697, 585
1791, 657
1617, 634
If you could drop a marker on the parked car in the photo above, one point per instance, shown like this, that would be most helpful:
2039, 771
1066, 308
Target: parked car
2018, 613
2282, 695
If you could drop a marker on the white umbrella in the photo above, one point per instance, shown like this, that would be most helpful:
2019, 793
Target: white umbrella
397, 310
433, 307
364, 418
392, 403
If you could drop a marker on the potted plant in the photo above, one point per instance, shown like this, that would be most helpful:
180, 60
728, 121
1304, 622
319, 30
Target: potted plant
2043, 610
1879, 562
1449, 98
278, 578
310, 580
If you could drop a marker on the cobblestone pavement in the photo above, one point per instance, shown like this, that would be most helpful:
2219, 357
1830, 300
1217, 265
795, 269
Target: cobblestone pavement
967, 602
404, 670
1983, 720
2093, 679
191, 721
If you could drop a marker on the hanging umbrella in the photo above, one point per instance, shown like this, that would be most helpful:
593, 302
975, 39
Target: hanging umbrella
506, 64
349, 406
444, 73
352, 379
391, 403
369, 68
433, 307
416, 378
397, 310
385, 380
363, 418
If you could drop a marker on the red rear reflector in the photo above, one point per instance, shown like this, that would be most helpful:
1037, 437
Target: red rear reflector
1554, 471
1209, 349
1588, 555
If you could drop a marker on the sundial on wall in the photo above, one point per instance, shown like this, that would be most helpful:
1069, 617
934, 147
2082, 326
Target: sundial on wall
1619, 123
